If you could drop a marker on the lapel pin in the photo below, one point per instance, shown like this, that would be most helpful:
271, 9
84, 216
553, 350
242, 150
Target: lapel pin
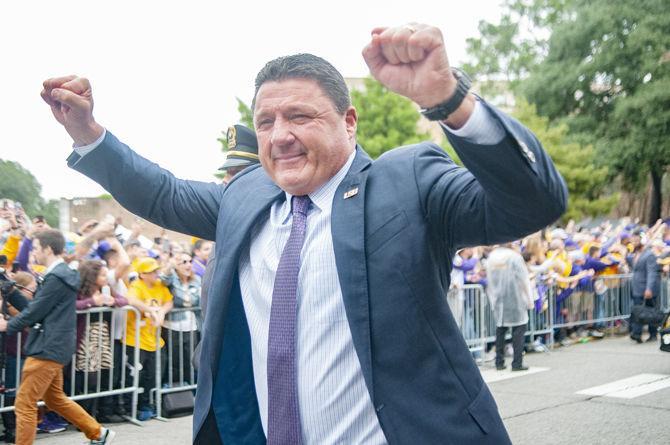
350, 193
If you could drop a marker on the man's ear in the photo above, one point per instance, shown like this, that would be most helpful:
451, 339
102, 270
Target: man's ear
351, 121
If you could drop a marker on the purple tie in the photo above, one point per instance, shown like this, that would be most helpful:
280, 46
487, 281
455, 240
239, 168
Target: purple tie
283, 412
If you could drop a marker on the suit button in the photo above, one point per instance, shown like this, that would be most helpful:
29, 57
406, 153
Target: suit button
379, 407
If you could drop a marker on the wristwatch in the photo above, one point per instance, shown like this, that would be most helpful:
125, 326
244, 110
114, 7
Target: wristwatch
442, 111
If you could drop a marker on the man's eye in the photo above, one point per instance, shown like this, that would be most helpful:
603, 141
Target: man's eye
264, 123
299, 118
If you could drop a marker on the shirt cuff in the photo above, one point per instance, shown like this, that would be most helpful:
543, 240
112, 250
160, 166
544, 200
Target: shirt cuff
481, 128
86, 149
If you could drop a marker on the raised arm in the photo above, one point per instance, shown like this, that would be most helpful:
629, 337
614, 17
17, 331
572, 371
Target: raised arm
138, 184
510, 187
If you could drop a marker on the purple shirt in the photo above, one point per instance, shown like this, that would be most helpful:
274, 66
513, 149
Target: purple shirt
199, 267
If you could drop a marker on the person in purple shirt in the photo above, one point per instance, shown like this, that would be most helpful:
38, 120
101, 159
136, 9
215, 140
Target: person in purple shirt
597, 262
200, 254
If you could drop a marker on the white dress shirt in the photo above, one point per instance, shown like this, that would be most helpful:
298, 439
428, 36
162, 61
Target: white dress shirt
335, 406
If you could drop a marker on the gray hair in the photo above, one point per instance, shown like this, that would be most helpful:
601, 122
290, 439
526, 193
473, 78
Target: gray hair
306, 66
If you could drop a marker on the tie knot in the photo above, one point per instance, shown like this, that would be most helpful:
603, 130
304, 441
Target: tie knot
300, 204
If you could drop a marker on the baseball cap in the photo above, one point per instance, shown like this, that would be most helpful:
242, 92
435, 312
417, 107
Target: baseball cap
147, 265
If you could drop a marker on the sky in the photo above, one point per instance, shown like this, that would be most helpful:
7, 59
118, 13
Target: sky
165, 74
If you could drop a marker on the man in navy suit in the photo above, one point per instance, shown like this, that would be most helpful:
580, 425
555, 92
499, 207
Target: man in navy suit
328, 321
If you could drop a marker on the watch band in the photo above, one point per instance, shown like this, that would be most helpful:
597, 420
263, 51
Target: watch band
442, 111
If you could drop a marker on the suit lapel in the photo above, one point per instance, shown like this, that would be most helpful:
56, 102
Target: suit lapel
235, 224
348, 230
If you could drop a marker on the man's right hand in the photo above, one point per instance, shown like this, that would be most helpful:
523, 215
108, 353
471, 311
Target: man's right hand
71, 102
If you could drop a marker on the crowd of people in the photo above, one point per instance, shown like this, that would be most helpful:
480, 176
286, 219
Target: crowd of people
116, 272
161, 279
576, 266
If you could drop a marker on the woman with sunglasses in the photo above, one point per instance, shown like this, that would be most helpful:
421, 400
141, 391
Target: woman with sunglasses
182, 325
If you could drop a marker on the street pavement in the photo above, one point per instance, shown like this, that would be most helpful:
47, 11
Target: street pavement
541, 406
546, 408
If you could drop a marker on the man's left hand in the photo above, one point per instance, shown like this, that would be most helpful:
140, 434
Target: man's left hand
411, 60
3, 324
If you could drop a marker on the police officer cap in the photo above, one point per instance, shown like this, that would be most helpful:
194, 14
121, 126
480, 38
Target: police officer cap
242, 147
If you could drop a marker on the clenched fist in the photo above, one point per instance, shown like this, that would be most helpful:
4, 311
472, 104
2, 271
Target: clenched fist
71, 102
411, 60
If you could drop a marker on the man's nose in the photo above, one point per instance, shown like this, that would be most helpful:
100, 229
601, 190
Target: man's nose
281, 133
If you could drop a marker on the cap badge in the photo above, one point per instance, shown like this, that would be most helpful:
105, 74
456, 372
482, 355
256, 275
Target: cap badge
232, 137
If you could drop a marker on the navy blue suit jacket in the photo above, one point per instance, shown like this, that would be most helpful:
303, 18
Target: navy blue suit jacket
394, 241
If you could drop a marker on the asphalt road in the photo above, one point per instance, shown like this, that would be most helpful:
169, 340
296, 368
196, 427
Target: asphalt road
545, 407
539, 407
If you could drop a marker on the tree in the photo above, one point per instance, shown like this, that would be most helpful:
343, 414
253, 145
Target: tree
18, 184
638, 142
505, 52
606, 74
386, 121
587, 183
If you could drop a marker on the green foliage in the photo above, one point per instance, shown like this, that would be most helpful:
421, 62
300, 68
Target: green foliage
246, 115
607, 74
505, 52
18, 184
51, 211
603, 53
386, 120
586, 182
642, 121
599, 66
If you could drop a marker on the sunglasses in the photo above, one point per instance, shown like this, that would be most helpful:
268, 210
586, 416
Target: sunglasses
185, 262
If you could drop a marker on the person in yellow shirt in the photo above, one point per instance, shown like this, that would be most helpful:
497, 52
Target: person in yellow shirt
153, 300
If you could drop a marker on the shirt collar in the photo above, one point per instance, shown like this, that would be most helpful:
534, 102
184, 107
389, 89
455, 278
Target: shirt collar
53, 266
322, 198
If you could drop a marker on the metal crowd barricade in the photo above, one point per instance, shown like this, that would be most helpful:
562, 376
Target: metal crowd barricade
601, 303
540, 318
185, 379
605, 300
469, 306
104, 386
